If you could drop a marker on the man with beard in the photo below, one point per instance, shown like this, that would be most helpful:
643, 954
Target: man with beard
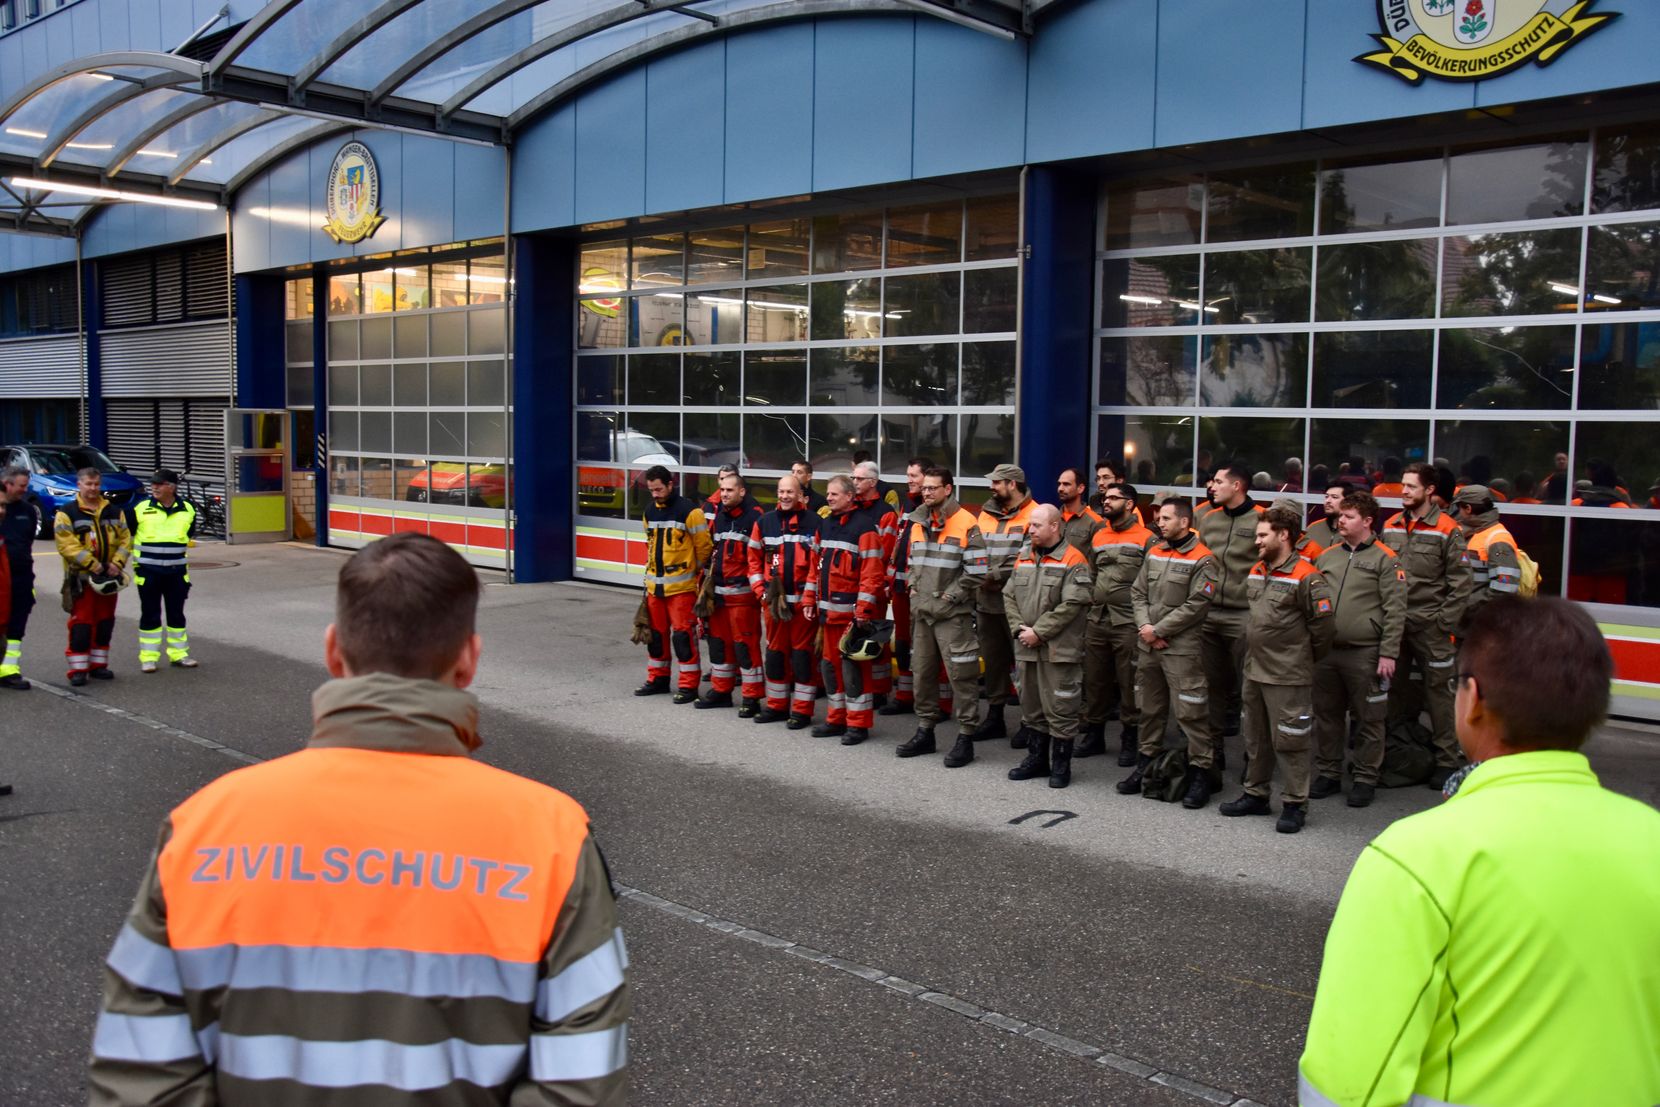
735, 620
899, 575
1079, 521
1116, 552
783, 577
1003, 522
1230, 532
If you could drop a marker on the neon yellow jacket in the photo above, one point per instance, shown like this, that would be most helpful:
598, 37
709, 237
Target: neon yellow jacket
1502, 950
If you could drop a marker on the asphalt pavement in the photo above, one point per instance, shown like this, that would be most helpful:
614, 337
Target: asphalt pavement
807, 923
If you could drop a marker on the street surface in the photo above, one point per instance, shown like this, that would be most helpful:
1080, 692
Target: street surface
807, 923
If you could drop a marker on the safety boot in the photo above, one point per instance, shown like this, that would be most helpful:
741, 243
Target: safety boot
799, 722
895, 707
15, 682
1361, 795
77, 680
1128, 743
1022, 737
878, 700
146, 666
1324, 786
1060, 763
1198, 789
685, 695
829, 730
186, 662
962, 752
1292, 817
714, 699
1093, 742
1036, 762
102, 674
1246, 804
656, 686
992, 726
920, 743
1131, 785
854, 735
768, 715
750, 709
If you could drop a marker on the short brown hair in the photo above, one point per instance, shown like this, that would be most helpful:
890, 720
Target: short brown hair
405, 605
1183, 506
89, 471
1423, 470
1363, 502
1283, 519
1510, 641
940, 473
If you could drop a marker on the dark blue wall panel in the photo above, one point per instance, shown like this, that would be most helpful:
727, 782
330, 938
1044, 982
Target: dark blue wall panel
544, 476
862, 83
1058, 316
685, 129
261, 376
769, 113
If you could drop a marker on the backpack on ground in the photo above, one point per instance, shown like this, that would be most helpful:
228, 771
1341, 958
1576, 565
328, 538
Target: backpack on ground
1165, 777
1408, 755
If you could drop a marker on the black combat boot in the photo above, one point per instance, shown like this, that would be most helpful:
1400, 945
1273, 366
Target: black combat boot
1198, 789
1093, 742
1324, 786
1361, 794
685, 695
1246, 804
854, 735
1128, 743
992, 726
656, 686
750, 708
962, 752
714, 699
829, 730
1022, 737
799, 722
1292, 817
768, 715
920, 743
1060, 763
1131, 785
1036, 762
894, 707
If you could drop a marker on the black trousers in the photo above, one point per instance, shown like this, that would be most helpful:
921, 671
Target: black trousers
22, 602
159, 590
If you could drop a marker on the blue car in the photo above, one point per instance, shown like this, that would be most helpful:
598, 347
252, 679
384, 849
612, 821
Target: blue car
52, 470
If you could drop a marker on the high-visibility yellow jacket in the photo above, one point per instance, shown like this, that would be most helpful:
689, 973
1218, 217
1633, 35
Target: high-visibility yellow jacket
1501, 950
678, 547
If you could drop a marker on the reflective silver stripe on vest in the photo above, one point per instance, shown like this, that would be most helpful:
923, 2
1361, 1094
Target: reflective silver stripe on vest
838, 608
146, 1039
409, 1068
355, 971
733, 590
675, 578
838, 544
578, 1056
145, 964
665, 525
591, 977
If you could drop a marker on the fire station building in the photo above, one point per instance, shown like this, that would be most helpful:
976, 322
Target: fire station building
470, 267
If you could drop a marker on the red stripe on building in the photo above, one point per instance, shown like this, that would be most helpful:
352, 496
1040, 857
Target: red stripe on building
487, 538
453, 533
1636, 661
413, 526
597, 548
344, 520
376, 524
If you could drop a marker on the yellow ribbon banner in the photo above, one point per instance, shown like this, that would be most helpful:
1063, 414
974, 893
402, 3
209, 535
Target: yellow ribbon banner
1541, 40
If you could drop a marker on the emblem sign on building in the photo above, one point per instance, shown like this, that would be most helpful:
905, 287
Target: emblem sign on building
353, 202
1470, 40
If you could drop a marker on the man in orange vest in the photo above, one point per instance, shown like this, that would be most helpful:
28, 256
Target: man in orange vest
1495, 568
1003, 521
377, 918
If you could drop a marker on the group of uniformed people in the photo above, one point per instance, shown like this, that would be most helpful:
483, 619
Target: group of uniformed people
1228, 615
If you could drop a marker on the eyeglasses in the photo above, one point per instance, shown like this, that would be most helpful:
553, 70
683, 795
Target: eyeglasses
1459, 678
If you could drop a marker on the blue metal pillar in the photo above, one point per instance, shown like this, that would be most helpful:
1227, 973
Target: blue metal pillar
320, 398
543, 447
1057, 319
92, 313
261, 376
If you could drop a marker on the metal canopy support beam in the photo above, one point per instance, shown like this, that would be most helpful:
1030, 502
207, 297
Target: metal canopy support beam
282, 150
576, 32
250, 31
160, 127
92, 176
93, 63
350, 105
350, 37
986, 16
446, 42
58, 141
786, 12
229, 134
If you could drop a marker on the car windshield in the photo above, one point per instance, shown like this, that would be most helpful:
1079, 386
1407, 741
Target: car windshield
66, 462
636, 445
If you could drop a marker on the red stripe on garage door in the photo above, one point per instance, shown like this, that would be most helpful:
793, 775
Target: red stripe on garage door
344, 520
1638, 661
453, 533
376, 524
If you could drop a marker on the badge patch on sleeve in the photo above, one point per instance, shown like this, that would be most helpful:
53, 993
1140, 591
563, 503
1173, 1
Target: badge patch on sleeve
1323, 607
1209, 588
1400, 574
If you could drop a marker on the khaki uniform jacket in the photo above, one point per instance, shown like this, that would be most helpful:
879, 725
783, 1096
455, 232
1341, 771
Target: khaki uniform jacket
1368, 596
1173, 592
1078, 530
1321, 533
1437, 564
1004, 533
1051, 594
1495, 570
1290, 625
947, 561
1232, 537
1117, 556
377, 912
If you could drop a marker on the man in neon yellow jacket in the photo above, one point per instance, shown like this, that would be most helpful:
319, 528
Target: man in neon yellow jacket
1503, 950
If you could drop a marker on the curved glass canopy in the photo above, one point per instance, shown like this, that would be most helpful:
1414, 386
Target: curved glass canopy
142, 124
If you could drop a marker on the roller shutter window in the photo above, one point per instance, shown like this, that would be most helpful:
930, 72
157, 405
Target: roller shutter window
165, 287
206, 295
133, 434
129, 299
207, 439
172, 448
169, 288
